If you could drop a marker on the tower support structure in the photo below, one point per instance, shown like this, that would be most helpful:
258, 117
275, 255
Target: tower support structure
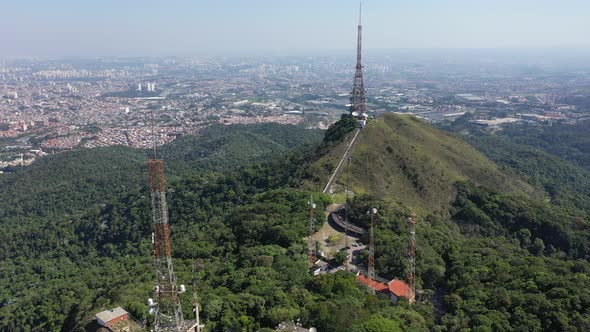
166, 308
412, 252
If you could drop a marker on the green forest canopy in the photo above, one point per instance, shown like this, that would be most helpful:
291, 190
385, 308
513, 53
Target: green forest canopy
493, 261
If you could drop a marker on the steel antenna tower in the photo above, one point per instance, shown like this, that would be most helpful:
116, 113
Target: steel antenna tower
166, 308
311, 252
371, 267
412, 253
357, 96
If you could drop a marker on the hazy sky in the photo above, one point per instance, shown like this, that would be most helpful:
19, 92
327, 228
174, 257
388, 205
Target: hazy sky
193, 27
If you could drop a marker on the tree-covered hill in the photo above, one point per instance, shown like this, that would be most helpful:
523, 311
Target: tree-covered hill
567, 141
41, 207
223, 148
74, 181
566, 182
493, 254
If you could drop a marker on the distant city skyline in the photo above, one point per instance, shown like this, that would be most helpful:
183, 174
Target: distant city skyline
232, 27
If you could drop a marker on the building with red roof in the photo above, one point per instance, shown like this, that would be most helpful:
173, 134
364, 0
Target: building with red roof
394, 288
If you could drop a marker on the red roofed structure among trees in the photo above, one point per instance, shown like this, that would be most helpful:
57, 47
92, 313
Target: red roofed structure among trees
394, 289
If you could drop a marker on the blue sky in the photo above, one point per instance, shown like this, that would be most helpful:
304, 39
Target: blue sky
193, 27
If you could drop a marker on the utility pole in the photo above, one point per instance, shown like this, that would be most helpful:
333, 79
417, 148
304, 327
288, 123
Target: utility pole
311, 250
196, 300
346, 204
371, 265
412, 253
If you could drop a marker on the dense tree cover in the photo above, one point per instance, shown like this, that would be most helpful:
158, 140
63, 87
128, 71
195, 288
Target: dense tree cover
493, 261
491, 213
518, 148
222, 148
566, 183
69, 182
234, 224
339, 129
568, 141
66, 251
491, 267
521, 244
493, 285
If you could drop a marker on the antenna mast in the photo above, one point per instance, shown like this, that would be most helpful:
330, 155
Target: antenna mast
371, 265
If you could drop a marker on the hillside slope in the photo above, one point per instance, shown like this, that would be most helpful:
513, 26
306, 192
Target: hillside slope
223, 148
415, 163
74, 181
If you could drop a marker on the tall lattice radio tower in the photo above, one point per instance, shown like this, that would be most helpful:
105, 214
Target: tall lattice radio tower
165, 305
166, 308
357, 96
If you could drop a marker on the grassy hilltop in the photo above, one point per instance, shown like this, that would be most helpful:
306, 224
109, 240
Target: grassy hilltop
414, 163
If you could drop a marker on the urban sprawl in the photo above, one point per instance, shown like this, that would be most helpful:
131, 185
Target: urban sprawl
52, 105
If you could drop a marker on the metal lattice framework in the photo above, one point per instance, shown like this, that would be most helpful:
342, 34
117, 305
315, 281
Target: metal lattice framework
371, 265
357, 96
166, 309
412, 253
311, 247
